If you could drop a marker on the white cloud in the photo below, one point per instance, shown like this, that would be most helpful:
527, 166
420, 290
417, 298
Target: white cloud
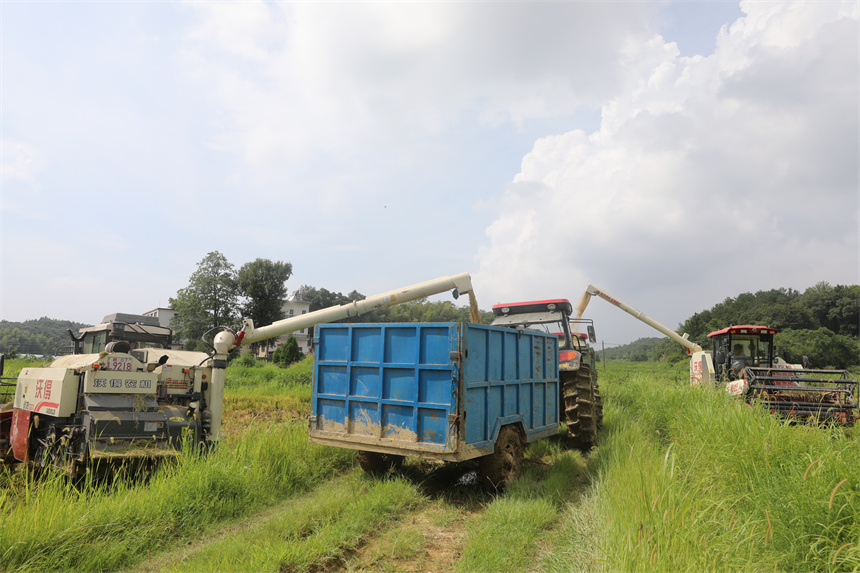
299, 79
719, 175
18, 161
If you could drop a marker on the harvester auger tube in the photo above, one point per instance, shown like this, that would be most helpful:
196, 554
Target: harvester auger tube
459, 284
226, 340
701, 363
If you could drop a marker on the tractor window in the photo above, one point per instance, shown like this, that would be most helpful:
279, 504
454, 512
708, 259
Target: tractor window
556, 328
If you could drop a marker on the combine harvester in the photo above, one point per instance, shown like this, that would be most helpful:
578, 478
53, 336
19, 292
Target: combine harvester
126, 396
745, 360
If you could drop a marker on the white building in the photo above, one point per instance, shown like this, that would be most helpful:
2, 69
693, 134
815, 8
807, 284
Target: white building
291, 308
164, 315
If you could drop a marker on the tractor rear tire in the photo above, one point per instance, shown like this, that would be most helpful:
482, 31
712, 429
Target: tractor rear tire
583, 408
378, 464
501, 468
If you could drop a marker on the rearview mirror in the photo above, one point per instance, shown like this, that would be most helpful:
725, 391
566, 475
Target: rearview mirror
591, 336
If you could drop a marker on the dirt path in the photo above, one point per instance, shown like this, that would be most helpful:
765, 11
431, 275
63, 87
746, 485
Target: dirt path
430, 536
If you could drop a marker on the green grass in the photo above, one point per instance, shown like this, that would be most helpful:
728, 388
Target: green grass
684, 479
689, 479
53, 526
314, 530
269, 379
507, 535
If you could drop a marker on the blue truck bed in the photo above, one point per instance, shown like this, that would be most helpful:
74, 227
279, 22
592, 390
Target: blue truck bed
433, 390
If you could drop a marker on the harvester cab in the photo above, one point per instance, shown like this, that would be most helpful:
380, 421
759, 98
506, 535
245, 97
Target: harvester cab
737, 347
580, 404
121, 332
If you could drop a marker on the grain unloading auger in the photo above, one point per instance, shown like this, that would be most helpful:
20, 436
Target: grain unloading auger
126, 396
701, 363
744, 358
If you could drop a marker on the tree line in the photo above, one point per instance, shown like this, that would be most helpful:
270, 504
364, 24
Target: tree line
822, 323
219, 296
39, 336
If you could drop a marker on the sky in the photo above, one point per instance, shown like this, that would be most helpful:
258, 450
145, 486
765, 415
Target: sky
674, 154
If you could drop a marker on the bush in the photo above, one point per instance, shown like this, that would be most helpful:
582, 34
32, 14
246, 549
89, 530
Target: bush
288, 353
246, 360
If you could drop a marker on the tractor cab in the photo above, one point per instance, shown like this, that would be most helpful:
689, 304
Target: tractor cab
121, 332
739, 347
552, 316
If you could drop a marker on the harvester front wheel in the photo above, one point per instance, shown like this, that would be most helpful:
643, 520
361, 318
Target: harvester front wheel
583, 408
378, 464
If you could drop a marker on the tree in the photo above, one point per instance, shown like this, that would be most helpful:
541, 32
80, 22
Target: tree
823, 347
323, 298
210, 300
262, 283
288, 353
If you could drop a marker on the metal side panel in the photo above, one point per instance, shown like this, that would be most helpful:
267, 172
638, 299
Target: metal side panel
51, 391
386, 387
509, 377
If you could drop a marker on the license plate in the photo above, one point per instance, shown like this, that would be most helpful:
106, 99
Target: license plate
119, 363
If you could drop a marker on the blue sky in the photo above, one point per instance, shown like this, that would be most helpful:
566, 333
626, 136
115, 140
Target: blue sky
672, 153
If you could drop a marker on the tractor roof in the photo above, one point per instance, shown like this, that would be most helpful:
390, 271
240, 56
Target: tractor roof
744, 329
533, 306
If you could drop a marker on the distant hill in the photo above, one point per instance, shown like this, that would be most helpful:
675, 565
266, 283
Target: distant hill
645, 349
42, 336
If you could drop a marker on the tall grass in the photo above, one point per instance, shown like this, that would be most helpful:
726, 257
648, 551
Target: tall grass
269, 379
53, 526
689, 479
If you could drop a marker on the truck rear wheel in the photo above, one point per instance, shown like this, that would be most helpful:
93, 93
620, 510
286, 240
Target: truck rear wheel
583, 408
378, 464
499, 469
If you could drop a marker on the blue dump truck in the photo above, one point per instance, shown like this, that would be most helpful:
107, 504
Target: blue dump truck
439, 391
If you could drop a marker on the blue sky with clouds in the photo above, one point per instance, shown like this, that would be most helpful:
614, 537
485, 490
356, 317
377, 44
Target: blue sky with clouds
672, 153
